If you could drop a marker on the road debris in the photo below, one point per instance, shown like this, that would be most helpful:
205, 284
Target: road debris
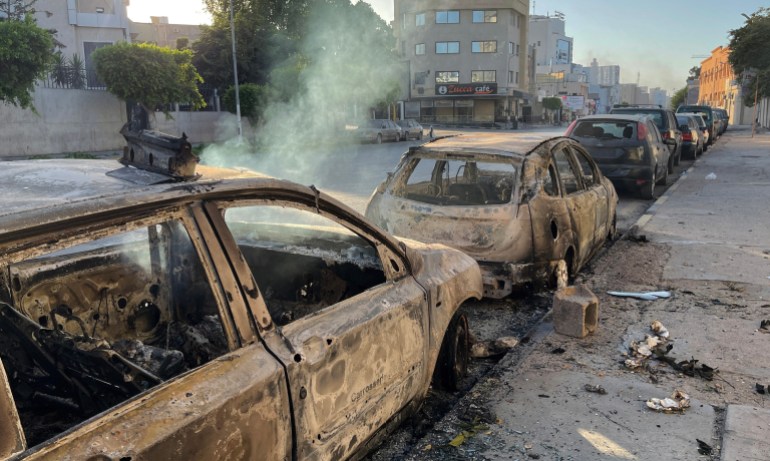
499, 346
469, 431
711, 176
678, 402
761, 389
764, 326
595, 389
704, 448
646, 296
657, 347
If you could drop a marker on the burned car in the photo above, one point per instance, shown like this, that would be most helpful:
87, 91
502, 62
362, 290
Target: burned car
212, 314
517, 207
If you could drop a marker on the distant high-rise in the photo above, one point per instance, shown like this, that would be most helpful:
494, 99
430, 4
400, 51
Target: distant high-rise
466, 60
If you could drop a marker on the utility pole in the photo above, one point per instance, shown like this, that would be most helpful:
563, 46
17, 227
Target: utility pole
235, 76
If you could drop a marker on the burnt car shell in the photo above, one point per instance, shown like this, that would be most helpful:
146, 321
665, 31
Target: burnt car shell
322, 386
502, 219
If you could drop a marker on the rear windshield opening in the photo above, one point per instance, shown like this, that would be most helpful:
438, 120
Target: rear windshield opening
605, 130
457, 182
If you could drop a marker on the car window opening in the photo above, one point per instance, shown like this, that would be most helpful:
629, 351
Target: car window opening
303, 262
88, 327
458, 182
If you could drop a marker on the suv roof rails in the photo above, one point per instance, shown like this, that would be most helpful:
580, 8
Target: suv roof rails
621, 106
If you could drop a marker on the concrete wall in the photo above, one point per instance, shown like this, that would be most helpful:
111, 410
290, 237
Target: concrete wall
201, 127
68, 121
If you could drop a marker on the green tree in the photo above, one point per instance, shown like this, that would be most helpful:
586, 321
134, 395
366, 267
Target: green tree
253, 99
26, 54
679, 98
150, 75
552, 103
750, 55
17, 10
695, 72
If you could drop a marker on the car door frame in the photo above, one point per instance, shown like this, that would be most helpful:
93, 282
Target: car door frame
235, 406
603, 207
314, 346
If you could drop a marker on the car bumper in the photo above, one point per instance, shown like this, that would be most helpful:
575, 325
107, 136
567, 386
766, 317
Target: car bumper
499, 279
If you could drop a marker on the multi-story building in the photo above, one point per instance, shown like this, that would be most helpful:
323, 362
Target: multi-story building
83, 26
466, 60
715, 77
161, 33
553, 47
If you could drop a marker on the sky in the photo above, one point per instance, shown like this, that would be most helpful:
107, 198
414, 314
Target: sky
654, 41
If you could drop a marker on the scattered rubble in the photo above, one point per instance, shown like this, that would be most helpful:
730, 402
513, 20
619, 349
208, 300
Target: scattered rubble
704, 448
678, 402
493, 348
657, 347
596, 389
764, 326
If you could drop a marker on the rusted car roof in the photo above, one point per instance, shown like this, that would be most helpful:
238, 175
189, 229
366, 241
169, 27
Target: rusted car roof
494, 144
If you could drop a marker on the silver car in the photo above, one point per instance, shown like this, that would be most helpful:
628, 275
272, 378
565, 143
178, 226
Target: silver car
410, 129
378, 130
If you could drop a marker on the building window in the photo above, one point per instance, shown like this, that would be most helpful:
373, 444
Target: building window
484, 16
447, 47
448, 76
489, 46
448, 17
517, 77
510, 76
510, 47
517, 49
483, 76
419, 49
92, 79
419, 19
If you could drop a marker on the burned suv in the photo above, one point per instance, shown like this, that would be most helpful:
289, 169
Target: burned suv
159, 311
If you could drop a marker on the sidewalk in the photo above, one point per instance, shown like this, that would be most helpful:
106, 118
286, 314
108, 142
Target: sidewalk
707, 242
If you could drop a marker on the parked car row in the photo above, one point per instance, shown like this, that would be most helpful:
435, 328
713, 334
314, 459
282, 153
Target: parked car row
378, 130
638, 146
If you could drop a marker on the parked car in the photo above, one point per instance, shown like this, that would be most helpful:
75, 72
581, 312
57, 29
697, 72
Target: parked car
628, 149
213, 314
517, 207
378, 130
724, 118
692, 137
665, 121
708, 115
701, 121
410, 129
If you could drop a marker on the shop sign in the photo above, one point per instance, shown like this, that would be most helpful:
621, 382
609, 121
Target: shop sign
459, 89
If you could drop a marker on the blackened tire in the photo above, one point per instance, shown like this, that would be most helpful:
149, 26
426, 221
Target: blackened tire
454, 356
647, 191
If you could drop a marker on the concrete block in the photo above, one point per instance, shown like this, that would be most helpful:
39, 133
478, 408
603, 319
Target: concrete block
575, 311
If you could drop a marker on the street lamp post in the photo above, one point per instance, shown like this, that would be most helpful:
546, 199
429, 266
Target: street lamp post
235, 75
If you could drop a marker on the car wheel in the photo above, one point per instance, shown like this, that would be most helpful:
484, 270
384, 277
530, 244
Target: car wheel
647, 190
406, 136
419, 136
705, 147
663, 179
612, 235
454, 355
379, 139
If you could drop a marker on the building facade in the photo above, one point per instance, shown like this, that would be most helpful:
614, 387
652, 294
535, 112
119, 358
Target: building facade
466, 60
161, 33
554, 49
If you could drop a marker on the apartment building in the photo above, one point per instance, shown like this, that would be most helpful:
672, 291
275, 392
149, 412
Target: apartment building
160, 32
466, 60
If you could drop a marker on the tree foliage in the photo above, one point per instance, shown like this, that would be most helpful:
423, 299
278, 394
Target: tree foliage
750, 55
17, 10
552, 103
695, 72
679, 98
253, 99
25, 56
148, 74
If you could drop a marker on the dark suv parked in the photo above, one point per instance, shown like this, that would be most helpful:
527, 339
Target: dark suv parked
628, 149
665, 120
